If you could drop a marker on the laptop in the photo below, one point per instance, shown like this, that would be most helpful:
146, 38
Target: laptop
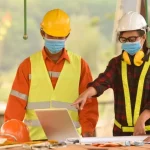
57, 124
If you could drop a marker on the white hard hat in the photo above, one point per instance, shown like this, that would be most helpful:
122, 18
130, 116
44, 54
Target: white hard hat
132, 21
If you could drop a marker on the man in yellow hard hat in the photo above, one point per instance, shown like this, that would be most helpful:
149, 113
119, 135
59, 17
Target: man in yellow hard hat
52, 78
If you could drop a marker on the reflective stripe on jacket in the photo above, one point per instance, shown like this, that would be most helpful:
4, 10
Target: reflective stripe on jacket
131, 121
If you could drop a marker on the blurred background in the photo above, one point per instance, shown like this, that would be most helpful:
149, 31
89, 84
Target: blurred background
92, 26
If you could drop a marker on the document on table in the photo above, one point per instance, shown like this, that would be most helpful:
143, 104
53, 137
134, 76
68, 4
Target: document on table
90, 140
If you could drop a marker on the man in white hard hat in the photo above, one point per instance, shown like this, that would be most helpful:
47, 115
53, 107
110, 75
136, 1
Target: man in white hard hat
129, 76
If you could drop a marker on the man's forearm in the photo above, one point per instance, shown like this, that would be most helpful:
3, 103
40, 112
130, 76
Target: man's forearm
91, 91
145, 115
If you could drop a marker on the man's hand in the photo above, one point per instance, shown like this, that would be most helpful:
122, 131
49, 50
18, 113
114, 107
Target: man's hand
147, 139
139, 128
81, 100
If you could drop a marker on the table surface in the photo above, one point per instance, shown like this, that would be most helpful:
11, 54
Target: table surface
81, 147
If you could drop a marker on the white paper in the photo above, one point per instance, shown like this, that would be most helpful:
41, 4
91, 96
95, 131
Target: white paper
90, 140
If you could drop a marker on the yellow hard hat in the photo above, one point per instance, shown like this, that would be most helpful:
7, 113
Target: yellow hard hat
56, 23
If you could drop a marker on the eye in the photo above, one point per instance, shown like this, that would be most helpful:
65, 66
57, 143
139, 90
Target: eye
122, 39
132, 39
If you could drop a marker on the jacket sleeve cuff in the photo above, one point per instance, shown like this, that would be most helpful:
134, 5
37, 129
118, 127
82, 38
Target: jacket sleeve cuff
97, 88
87, 131
88, 134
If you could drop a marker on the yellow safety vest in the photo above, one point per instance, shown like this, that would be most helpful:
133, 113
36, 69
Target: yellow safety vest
131, 121
42, 95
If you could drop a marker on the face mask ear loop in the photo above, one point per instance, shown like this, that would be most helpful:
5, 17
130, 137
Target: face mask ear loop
140, 44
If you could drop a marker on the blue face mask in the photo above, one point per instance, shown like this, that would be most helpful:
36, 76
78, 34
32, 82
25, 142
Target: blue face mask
131, 47
54, 45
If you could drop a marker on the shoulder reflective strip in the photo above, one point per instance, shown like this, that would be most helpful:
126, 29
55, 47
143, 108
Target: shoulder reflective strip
32, 123
58, 104
76, 124
54, 74
51, 74
140, 91
126, 94
38, 105
19, 95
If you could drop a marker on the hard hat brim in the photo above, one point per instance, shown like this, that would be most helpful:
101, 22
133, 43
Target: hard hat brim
57, 33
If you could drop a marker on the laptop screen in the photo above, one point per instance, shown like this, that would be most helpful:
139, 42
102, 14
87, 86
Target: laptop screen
57, 124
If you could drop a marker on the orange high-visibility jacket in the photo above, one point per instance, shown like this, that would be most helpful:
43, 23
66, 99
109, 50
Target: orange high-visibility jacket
16, 106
